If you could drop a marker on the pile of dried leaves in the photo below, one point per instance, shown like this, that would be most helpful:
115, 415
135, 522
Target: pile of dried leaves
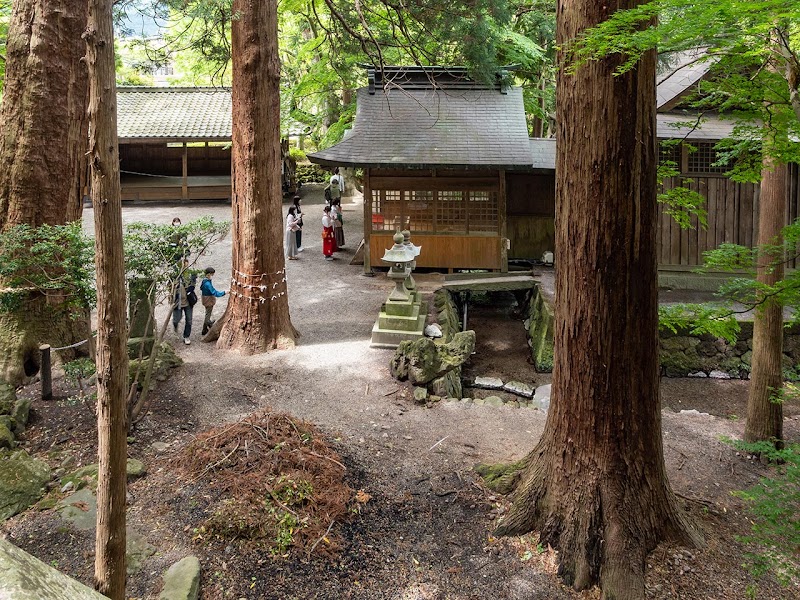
272, 480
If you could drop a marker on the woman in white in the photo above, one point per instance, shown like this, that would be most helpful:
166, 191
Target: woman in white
290, 240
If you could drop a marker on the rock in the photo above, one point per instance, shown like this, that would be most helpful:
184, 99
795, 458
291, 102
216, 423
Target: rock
27, 578
488, 383
6, 437
422, 360
67, 487
22, 482
420, 394
478, 402
79, 509
182, 580
519, 389
693, 413
137, 550
135, 468
159, 446
88, 474
8, 397
8, 422
433, 331
466, 400
700, 374
719, 375
512, 404
495, 401
448, 385
541, 398
20, 413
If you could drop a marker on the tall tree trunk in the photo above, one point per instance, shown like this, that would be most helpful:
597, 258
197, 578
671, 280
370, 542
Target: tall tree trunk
44, 138
112, 329
595, 486
257, 317
764, 414
42, 160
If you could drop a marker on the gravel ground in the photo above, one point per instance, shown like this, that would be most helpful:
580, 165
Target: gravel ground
427, 531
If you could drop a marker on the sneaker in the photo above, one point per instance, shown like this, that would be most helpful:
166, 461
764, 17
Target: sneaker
300, 249
187, 341
328, 258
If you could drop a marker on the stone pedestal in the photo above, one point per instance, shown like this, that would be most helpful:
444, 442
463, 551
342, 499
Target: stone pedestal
403, 315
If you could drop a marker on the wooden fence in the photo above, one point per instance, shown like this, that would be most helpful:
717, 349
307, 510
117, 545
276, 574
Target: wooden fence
732, 218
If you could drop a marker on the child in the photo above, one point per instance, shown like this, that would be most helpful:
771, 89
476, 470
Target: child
209, 297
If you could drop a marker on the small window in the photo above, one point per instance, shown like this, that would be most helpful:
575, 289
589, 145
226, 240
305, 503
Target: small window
704, 158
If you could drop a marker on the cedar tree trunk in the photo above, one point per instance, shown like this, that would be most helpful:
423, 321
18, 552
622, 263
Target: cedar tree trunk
112, 327
44, 133
764, 415
257, 317
43, 141
595, 485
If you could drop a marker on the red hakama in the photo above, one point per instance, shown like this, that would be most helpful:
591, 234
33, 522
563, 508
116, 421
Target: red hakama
328, 241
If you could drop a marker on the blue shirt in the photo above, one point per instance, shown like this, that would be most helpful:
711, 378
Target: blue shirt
207, 289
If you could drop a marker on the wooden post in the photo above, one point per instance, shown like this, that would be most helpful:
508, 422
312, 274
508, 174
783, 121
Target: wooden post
46, 373
185, 173
367, 222
503, 216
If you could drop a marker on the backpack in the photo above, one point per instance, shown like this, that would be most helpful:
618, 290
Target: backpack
328, 196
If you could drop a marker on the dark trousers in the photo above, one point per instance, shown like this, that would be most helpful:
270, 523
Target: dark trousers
176, 318
299, 237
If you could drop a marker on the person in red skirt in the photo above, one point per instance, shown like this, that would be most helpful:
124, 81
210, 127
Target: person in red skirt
328, 237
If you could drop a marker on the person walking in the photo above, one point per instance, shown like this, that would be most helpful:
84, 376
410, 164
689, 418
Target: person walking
336, 185
328, 237
290, 241
208, 297
299, 214
183, 302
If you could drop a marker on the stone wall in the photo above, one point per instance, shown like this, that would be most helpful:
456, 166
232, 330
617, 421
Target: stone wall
684, 353
539, 326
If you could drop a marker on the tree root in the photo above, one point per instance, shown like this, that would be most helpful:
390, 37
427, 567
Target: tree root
501, 478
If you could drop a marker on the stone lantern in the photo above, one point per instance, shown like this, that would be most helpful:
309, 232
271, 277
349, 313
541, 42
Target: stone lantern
401, 262
409, 283
402, 316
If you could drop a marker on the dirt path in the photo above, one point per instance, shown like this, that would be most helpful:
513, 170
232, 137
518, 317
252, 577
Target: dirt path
426, 532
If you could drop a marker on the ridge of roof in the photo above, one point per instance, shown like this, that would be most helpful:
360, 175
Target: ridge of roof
156, 89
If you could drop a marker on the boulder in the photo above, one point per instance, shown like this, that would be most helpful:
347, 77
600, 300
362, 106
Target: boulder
420, 394
495, 401
433, 331
21, 412
182, 580
8, 397
79, 509
22, 482
6, 437
25, 577
421, 361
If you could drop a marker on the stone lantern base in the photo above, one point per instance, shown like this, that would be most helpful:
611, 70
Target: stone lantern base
399, 320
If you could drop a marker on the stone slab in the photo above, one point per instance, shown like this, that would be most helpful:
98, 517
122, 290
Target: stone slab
488, 383
500, 283
27, 578
182, 580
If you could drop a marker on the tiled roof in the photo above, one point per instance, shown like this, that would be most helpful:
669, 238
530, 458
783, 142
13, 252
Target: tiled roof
710, 127
543, 153
432, 128
176, 114
682, 71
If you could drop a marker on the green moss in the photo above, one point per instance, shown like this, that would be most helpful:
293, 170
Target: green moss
503, 477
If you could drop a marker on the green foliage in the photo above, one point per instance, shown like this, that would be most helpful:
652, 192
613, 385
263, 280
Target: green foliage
775, 508
297, 155
154, 252
79, 369
714, 319
684, 205
55, 260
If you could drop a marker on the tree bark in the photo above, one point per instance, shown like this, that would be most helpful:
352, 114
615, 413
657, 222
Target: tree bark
764, 413
257, 318
595, 486
44, 138
112, 332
